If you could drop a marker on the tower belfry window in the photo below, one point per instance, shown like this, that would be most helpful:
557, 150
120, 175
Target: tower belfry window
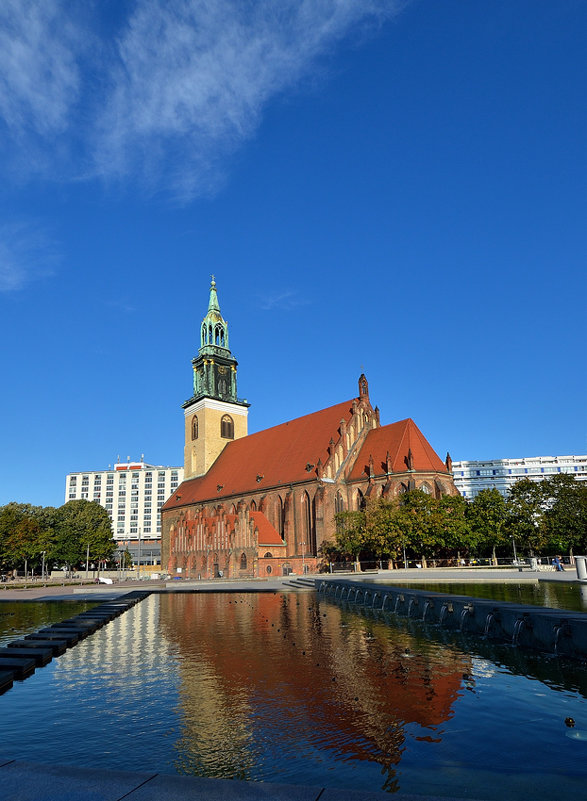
227, 427
195, 427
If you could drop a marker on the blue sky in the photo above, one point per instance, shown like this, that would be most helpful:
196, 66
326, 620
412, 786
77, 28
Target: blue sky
394, 187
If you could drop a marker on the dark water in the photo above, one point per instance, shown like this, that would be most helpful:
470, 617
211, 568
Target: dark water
554, 594
292, 688
22, 617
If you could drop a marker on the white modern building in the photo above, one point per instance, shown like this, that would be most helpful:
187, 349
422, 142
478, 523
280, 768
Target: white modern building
132, 493
471, 477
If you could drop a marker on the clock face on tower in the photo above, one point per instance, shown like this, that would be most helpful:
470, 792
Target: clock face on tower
222, 382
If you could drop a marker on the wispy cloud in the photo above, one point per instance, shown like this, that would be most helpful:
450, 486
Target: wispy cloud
26, 253
165, 93
283, 300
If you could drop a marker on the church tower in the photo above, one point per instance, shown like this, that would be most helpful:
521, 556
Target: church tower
213, 415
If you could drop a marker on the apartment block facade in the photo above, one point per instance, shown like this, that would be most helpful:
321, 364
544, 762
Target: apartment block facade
132, 493
472, 476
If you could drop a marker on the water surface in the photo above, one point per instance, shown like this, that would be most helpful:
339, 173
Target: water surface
294, 688
558, 595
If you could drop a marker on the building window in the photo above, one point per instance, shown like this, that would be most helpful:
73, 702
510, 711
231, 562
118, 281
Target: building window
227, 427
338, 503
243, 561
195, 427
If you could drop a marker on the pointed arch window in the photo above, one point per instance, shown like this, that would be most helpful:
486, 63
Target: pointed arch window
195, 427
280, 517
338, 503
243, 561
227, 427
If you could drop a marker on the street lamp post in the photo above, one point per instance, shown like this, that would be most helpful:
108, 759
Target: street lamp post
87, 560
515, 555
42, 565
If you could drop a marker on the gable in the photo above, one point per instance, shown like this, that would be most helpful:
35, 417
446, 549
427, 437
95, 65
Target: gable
397, 440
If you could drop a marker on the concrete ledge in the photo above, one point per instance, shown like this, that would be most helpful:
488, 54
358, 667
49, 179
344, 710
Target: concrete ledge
28, 781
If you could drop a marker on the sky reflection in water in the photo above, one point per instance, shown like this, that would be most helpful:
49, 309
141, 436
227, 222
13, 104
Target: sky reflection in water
284, 687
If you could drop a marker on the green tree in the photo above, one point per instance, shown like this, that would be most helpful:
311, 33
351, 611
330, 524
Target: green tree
23, 535
417, 524
451, 524
78, 524
564, 518
350, 532
383, 530
487, 515
525, 508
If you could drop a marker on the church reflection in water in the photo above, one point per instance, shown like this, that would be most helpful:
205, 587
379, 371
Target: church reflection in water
273, 685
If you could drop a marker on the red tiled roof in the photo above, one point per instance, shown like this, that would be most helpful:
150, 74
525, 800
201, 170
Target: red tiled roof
397, 439
267, 534
277, 455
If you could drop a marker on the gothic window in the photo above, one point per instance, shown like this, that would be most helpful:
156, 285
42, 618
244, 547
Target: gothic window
308, 544
338, 503
253, 506
243, 561
222, 386
360, 500
268, 555
195, 427
227, 427
280, 517
426, 488
210, 340
204, 337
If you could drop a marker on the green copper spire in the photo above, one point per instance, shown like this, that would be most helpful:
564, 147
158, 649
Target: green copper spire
213, 302
214, 335
214, 366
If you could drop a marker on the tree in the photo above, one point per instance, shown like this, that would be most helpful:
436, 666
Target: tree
525, 507
23, 534
487, 515
350, 532
564, 518
417, 524
80, 524
451, 523
383, 530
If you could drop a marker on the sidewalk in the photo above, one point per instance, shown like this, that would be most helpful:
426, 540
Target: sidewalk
27, 781
98, 592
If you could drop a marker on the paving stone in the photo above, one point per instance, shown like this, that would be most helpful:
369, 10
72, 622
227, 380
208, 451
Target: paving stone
58, 647
27, 781
195, 788
42, 656
20, 666
6, 679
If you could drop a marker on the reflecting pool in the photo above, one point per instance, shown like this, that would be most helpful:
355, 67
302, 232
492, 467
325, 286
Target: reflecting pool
18, 618
293, 688
558, 595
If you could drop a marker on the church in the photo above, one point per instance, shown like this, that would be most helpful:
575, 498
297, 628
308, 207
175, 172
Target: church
256, 505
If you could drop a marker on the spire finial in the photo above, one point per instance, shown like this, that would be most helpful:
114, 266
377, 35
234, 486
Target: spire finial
213, 303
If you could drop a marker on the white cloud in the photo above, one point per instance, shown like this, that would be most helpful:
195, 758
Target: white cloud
26, 253
282, 299
177, 86
40, 45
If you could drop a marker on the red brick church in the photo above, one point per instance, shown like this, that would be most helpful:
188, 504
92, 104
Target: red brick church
262, 504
